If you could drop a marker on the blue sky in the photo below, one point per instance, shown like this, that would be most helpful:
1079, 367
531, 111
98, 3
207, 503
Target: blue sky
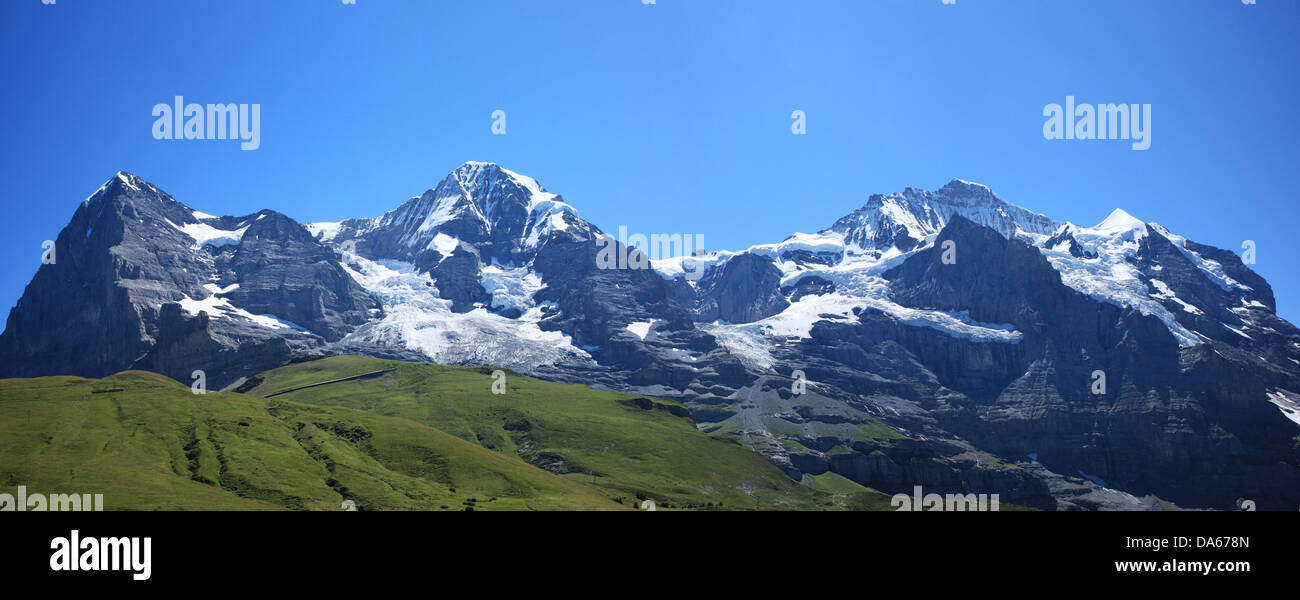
672, 117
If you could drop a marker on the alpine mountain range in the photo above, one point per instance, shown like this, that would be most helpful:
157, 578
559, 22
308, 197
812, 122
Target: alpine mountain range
946, 338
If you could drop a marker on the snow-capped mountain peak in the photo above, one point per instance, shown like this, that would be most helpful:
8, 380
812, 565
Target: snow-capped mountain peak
125, 180
1119, 221
492, 189
491, 198
903, 220
478, 202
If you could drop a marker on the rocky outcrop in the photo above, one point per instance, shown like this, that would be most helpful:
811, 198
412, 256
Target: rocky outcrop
282, 270
743, 290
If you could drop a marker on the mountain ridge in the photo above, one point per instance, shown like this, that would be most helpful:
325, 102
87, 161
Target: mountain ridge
488, 267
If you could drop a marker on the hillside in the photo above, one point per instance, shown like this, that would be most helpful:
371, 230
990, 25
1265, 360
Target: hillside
157, 446
154, 445
628, 446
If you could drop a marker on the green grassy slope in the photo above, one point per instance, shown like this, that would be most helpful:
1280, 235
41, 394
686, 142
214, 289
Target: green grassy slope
155, 446
836, 483
625, 445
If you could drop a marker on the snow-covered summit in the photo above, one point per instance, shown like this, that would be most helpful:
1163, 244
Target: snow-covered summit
903, 220
478, 202
125, 180
1120, 222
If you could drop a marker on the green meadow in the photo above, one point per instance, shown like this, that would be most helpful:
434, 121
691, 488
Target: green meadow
423, 437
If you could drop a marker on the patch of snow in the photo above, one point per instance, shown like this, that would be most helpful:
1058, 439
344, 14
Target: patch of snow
444, 244
545, 216
1289, 406
216, 289
640, 328
127, 181
221, 308
284, 323
1241, 331
204, 234
680, 266
1165, 293
797, 319
324, 231
815, 243
558, 223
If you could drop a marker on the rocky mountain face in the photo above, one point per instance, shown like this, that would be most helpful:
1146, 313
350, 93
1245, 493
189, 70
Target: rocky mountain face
140, 281
946, 339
